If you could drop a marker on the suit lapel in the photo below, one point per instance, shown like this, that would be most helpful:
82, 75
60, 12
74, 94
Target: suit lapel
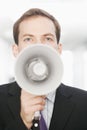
14, 100
62, 110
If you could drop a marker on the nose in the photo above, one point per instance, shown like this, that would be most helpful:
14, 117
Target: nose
38, 40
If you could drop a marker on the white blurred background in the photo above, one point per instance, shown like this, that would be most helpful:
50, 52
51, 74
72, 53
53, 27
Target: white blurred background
72, 16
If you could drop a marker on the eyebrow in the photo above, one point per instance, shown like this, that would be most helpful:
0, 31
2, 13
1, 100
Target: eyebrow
28, 35
47, 34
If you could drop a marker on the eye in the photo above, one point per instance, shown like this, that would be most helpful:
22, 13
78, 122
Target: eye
27, 39
49, 39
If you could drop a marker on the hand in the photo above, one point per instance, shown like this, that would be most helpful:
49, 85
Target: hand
29, 105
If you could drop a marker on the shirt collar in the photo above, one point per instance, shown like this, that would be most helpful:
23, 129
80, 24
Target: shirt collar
51, 96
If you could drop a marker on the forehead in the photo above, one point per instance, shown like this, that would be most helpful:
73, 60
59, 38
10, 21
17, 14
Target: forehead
37, 23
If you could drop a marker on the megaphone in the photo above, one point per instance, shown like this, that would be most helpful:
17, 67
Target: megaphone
38, 69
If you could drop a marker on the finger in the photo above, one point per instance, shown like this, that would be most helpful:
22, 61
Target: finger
38, 100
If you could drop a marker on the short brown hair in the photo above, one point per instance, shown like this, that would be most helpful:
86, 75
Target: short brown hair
35, 12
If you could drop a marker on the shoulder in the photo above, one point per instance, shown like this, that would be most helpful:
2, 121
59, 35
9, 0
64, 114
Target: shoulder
9, 88
4, 87
65, 89
73, 93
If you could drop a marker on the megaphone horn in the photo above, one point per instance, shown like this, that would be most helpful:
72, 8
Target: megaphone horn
39, 69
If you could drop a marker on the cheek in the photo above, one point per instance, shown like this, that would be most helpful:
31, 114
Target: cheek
22, 46
54, 45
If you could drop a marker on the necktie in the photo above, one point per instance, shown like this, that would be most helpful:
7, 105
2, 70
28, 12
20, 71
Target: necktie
42, 123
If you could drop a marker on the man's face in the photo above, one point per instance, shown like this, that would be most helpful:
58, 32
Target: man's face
36, 30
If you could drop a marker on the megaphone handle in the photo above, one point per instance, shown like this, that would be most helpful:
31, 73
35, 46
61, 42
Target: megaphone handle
37, 115
36, 125
36, 121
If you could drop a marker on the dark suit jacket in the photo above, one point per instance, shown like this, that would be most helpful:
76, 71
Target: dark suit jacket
70, 108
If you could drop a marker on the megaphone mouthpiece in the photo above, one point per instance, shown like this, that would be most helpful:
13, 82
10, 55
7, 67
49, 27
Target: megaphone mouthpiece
37, 70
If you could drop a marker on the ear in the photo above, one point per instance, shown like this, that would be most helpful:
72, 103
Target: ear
60, 48
15, 49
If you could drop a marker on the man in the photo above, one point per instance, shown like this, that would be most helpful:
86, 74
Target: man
63, 109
